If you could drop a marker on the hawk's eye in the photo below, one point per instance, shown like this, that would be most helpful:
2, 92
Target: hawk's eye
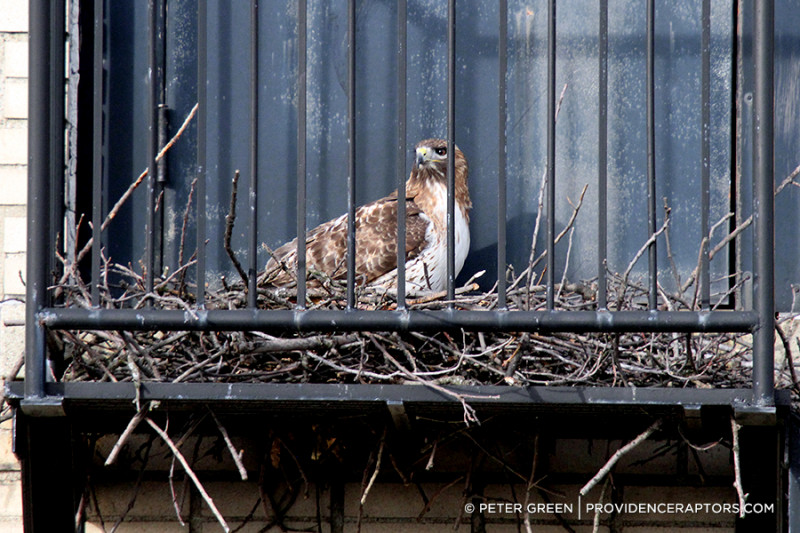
441, 151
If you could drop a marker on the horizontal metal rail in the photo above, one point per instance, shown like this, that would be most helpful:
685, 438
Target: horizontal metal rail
335, 394
414, 320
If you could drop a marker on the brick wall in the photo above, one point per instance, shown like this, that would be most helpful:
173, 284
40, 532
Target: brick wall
13, 195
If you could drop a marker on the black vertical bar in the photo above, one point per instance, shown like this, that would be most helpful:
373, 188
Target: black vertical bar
652, 251
162, 176
39, 151
97, 148
202, 99
252, 271
762, 473
705, 169
152, 145
764, 198
46, 448
351, 159
337, 504
451, 133
402, 68
602, 160
502, 54
57, 127
163, 131
302, 23
793, 497
551, 152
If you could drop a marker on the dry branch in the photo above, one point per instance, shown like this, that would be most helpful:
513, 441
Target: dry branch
230, 219
618, 455
737, 469
132, 425
188, 469
237, 456
374, 476
133, 186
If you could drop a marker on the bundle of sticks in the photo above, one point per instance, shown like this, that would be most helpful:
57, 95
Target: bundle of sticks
518, 358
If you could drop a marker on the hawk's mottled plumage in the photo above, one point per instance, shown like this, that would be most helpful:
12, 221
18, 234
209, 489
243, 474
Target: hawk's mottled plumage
376, 231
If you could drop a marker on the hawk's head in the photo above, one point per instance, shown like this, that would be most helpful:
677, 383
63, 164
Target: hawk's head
432, 155
431, 168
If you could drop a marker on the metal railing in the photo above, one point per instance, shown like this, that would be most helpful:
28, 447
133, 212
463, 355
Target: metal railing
46, 139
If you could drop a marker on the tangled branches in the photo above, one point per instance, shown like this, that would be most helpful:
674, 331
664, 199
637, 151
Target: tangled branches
518, 358
360, 357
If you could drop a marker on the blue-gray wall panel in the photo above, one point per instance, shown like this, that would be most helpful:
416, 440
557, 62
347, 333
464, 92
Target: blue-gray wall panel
677, 121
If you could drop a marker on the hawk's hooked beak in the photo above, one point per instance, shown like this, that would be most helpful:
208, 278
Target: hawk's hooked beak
422, 154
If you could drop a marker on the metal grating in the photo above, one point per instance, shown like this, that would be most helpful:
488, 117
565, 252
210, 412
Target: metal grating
46, 138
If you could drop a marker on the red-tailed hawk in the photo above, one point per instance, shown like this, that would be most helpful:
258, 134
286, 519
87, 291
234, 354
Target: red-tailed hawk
376, 232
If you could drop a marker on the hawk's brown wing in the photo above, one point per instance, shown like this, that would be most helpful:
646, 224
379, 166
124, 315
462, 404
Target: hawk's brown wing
376, 244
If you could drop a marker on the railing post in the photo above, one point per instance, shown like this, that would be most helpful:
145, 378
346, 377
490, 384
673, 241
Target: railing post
38, 247
763, 198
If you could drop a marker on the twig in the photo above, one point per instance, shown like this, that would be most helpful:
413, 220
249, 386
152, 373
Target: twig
788, 179
188, 469
675, 275
540, 205
297, 464
377, 468
185, 221
467, 484
497, 459
281, 345
12, 374
596, 519
618, 455
469, 287
176, 505
512, 363
14, 370
698, 447
534, 262
642, 250
530, 484
788, 350
469, 413
237, 456
737, 469
132, 425
136, 487
117, 206
729, 237
716, 249
435, 495
429, 464
230, 219
566, 263
247, 519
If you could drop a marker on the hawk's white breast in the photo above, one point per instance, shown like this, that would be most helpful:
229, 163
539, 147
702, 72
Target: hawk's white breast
428, 271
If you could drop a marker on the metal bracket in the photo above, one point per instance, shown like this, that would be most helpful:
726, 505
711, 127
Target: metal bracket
46, 406
693, 416
399, 415
752, 415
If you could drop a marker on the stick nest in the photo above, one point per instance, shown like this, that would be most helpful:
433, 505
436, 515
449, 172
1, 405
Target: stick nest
478, 358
